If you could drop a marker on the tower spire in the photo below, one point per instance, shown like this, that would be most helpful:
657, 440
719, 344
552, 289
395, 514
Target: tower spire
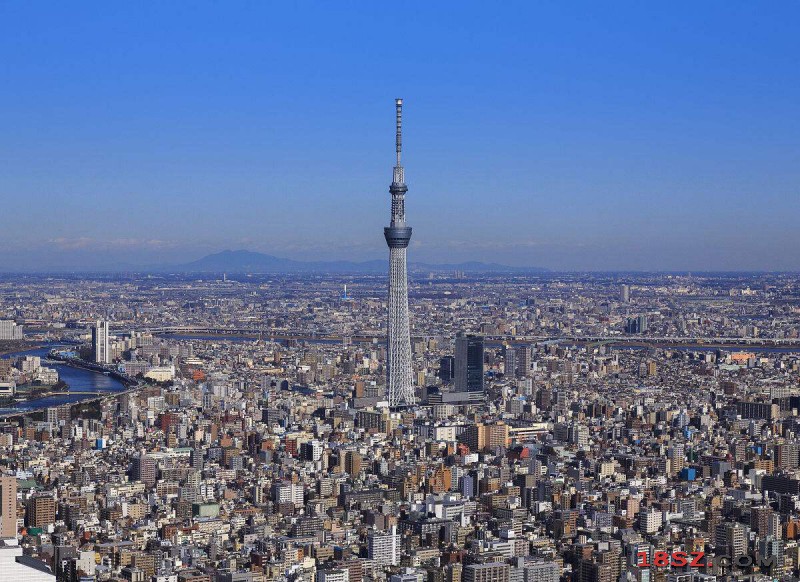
399, 135
398, 188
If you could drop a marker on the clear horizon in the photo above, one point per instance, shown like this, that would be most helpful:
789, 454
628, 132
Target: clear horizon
574, 138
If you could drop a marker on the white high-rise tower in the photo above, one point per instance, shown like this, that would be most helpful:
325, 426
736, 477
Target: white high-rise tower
398, 371
100, 344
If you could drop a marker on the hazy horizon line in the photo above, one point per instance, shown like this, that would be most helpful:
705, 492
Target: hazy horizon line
77, 266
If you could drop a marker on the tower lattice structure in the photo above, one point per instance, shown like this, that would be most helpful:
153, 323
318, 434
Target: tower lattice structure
400, 385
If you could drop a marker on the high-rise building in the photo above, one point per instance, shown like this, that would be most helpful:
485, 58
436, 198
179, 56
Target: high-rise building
9, 330
761, 520
589, 571
677, 458
311, 450
196, 459
285, 492
731, 539
509, 362
771, 547
353, 463
447, 369
337, 575
57, 415
541, 571
469, 363
384, 547
636, 324
100, 343
40, 511
495, 435
524, 356
488, 572
8, 507
144, 469
642, 324
479, 436
650, 521
399, 380
625, 293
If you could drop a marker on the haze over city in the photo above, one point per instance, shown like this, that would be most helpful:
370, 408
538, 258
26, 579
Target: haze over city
626, 136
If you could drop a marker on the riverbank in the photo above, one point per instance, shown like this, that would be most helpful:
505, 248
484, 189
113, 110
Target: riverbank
11, 347
92, 367
84, 385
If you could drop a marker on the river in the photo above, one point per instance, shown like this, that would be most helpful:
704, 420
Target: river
76, 379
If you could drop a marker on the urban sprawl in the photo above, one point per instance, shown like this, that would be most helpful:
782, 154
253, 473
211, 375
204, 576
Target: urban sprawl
584, 428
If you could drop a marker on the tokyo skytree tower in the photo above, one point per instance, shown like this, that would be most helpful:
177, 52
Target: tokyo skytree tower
398, 234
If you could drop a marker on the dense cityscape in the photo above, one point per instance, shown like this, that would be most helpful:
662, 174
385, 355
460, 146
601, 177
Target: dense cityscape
565, 426
227, 356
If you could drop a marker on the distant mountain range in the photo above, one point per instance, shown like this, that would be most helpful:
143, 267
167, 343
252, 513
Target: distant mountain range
243, 261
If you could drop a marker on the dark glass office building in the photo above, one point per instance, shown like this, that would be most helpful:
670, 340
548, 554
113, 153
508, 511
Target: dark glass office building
469, 363
447, 369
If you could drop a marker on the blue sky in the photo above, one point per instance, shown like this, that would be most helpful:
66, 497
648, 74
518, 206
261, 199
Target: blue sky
569, 135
